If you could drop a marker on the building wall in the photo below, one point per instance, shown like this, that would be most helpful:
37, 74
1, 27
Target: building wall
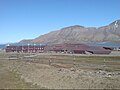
25, 49
77, 49
60, 48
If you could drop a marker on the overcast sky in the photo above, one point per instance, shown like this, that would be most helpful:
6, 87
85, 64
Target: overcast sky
27, 19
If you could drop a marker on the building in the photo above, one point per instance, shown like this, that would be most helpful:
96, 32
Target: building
58, 48
114, 47
77, 49
98, 50
25, 48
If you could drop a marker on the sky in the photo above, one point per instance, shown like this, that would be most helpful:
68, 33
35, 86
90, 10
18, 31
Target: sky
28, 19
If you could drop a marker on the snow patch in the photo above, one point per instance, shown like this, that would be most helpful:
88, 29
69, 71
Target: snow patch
116, 23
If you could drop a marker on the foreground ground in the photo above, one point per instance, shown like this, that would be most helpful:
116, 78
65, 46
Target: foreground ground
59, 71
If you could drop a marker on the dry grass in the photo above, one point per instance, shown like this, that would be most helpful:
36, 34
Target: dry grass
12, 79
112, 61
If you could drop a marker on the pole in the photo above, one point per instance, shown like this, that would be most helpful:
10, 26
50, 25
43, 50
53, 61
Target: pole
50, 61
74, 60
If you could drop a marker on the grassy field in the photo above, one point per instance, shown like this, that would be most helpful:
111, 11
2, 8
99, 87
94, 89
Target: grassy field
12, 63
10, 79
109, 62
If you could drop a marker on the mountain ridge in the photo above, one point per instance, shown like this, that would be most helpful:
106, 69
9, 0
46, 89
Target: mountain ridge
80, 34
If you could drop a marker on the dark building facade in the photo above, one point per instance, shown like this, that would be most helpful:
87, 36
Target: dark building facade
77, 49
59, 48
25, 49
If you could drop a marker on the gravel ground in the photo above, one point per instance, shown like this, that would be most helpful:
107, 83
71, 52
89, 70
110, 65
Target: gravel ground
52, 77
64, 76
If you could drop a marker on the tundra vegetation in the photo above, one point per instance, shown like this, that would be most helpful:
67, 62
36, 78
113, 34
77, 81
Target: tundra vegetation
59, 71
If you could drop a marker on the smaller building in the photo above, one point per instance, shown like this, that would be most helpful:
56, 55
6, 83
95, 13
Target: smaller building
98, 50
25, 48
77, 49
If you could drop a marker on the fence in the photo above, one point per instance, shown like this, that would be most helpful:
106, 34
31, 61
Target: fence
62, 59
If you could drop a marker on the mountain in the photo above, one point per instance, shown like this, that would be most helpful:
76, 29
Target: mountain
80, 34
25, 41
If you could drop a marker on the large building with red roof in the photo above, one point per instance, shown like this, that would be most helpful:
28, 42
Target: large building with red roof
77, 49
59, 48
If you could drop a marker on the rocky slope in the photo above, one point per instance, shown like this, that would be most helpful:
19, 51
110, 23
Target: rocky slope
80, 34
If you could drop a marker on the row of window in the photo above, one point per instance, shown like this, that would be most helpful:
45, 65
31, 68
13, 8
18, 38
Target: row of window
25, 48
